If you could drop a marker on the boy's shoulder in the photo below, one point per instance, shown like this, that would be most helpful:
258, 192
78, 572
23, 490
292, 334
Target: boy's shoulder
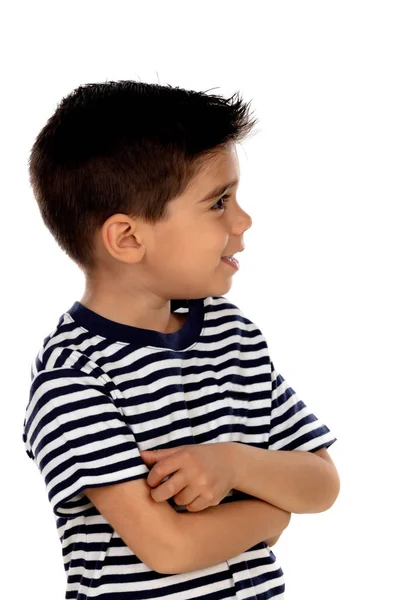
63, 347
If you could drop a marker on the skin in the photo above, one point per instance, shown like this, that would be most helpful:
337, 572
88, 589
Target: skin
141, 267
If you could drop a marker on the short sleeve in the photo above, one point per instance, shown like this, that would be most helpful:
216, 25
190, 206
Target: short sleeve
293, 426
78, 438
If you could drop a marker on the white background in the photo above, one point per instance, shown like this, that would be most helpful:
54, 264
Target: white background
319, 274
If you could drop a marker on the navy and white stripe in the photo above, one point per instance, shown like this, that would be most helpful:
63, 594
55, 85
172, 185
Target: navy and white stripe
101, 391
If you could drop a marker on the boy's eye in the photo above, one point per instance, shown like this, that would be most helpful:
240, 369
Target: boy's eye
225, 198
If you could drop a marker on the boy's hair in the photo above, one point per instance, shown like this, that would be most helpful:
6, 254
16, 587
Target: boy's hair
125, 147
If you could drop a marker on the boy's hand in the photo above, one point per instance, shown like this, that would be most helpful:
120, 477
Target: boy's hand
203, 474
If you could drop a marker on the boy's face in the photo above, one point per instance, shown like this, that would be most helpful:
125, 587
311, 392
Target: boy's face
181, 257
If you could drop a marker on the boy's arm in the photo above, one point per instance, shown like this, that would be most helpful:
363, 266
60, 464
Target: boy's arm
171, 542
218, 533
296, 481
272, 540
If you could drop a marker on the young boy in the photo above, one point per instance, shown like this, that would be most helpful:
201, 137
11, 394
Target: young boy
137, 183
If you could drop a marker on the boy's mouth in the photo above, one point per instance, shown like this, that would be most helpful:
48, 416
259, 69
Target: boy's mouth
231, 261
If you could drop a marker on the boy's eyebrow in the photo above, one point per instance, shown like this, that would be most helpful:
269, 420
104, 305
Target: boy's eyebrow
219, 190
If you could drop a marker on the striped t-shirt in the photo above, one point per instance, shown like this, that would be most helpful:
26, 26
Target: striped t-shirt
102, 391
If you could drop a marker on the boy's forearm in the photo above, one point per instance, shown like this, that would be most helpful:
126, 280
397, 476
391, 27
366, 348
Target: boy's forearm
218, 533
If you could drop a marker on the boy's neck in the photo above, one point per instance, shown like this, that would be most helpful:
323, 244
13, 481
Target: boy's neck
123, 311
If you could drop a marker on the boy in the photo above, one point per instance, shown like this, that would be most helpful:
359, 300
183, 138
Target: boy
129, 178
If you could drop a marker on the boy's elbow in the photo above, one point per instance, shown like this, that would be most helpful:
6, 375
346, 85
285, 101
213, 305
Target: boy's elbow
336, 491
323, 497
332, 490
335, 488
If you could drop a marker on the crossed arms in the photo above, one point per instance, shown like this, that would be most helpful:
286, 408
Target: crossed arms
280, 482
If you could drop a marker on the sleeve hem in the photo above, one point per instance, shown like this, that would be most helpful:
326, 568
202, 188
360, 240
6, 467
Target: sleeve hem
82, 509
325, 445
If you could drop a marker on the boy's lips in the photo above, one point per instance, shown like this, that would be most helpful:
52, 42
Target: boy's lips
233, 262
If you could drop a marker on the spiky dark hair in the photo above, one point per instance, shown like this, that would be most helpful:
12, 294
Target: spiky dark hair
125, 147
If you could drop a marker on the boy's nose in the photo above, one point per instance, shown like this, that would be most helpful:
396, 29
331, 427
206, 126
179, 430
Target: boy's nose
246, 222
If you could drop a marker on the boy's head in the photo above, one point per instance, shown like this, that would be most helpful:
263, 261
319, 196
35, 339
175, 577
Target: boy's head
119, 172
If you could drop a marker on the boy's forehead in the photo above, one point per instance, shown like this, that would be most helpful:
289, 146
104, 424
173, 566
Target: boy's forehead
216, 175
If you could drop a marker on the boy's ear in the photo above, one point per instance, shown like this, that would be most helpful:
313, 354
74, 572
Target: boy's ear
119, 236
